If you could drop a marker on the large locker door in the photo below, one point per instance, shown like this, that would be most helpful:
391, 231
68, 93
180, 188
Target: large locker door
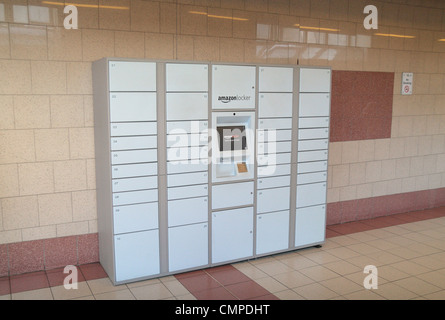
310, 225
232, 234
136, 255
311, 194
188, 246
272, 232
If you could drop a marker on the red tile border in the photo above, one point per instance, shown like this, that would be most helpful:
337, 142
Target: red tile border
26, 256
29, 281
368, 208
60, 252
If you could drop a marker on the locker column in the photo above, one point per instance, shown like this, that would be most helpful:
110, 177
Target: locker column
312, 166
134, 181
274, 158
187, 165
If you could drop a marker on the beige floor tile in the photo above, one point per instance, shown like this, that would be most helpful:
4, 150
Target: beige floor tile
382, 258
60, 293
176, 288
274, 267
85, 298
410, 267
250, 270
382, 244
434, 278
440, 295
5, 297
417, 286
298, 262
271, 284
319, 273
124, 294
342, 267
396, 230
315, 291
406, 252
322, 257
360, 277
288, 295
103, 285
424, 249
430, 262
401, 241
293, 279
363, 237
188, 296
341, 285
343, 253
345, 240
363, 294
379, 234
39, 294
154, 291
390, 273
392, 291
143, 283
363, 248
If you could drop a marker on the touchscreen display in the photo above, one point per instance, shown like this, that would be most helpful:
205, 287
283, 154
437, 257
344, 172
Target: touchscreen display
232, 138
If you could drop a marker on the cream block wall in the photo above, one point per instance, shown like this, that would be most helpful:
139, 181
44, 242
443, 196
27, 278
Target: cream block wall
47, 169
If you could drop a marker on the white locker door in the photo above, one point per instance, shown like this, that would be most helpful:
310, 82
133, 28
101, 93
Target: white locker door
233, 87
314, 105
188, 246
276, 79
315, 80
135, 217
232, 234
274, 199
272, 232
186, 77
132, 76
136, 255
275, 105
310, 225
187, 211
232, 195
132, 106
186, 106
311, 194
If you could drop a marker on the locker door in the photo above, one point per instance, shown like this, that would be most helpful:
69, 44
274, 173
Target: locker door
136, 217
132, 76
311, 194
232, 234
132, 106
232, 195
272, 232
275, 105
136, 255
186, 77
310, 225
276, 79
188, 246
186, 106
315, 80
274, 199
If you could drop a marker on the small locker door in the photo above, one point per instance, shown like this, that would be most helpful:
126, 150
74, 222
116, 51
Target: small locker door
232, 234
188, 246
310, 225
311, 194
136, 255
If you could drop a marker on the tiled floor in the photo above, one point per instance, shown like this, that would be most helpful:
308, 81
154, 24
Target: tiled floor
407, 249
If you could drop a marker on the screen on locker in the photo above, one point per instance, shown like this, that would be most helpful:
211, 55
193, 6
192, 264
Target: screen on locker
232, 138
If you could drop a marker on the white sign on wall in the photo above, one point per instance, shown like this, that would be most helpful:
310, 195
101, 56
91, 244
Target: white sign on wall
407, 83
